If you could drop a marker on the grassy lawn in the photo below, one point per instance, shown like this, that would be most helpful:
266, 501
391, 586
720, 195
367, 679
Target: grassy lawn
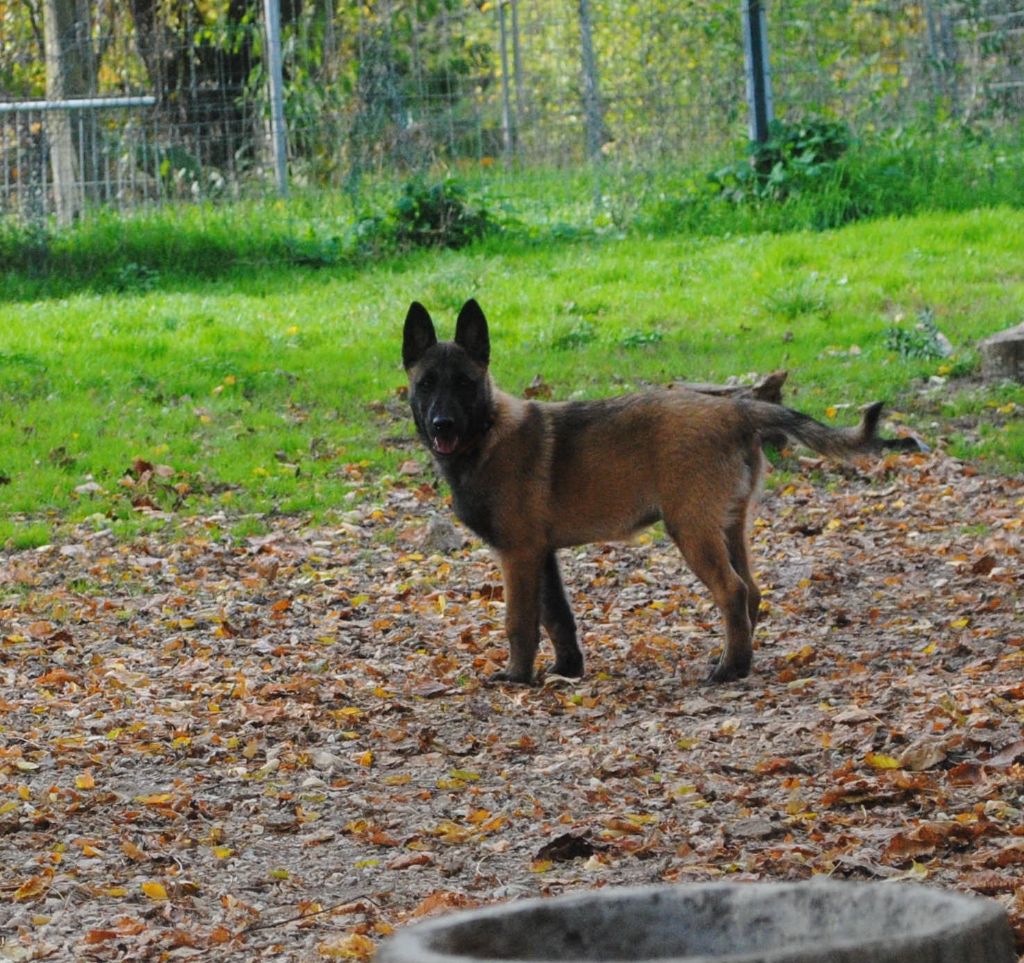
274, 387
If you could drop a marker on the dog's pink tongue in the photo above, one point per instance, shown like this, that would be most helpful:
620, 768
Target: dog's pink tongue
446, 445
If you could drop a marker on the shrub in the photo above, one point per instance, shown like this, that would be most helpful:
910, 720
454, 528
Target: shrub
794, 157
437, 215
924, 341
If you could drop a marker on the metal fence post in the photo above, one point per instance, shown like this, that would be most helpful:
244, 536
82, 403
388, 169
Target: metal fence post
593, 109
508, 126
275, 82
759, 79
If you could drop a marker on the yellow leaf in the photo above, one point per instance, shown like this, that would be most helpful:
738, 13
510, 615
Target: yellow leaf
541, 866
115, 892
465, 775
278, 874
35, 886
154, 890
959, 623
879, 761
85, 780
365, 758
355, 946
157, 799
223, 852
132, 851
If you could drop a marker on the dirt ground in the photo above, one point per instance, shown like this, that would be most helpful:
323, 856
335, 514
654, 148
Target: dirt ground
285, 748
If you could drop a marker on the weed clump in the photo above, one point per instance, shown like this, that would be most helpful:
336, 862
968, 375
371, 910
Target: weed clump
923, 342
795, 157
437, 215
425, 215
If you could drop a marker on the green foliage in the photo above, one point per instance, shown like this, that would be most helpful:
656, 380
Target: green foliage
797, 298
580, 333
796, 157
924, 341
641, 339
266, 386
132, 277
24, 248
437, 215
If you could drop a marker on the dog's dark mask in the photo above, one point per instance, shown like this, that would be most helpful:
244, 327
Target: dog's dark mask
449, 390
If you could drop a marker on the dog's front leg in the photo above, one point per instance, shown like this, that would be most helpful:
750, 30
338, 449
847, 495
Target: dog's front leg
522, 574
556, 616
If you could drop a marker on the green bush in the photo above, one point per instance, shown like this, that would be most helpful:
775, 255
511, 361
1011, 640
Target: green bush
922, 342
437, 215
794, 157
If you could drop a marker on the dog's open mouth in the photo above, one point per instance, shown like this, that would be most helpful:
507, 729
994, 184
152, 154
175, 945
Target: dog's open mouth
446, 445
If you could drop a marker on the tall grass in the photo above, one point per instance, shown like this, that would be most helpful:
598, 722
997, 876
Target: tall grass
253, 350
902, 172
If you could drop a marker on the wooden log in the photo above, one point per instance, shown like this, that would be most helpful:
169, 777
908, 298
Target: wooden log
1002, 355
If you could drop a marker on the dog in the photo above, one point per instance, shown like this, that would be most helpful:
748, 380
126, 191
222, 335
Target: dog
532, 477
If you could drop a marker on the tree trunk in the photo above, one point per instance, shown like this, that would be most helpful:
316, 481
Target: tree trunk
593, 109
67, 75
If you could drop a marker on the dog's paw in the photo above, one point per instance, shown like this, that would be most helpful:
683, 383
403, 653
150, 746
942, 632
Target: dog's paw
511, 678
568, 667
728, 671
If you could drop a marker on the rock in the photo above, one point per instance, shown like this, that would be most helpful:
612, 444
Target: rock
442, 536
1002, 355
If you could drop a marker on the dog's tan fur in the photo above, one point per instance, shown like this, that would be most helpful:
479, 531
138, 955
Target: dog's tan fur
533, 477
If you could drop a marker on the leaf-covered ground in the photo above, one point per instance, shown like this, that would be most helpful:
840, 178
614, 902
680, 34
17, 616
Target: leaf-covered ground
284, 748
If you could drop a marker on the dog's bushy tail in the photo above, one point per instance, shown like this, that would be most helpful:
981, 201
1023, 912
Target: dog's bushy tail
775, 420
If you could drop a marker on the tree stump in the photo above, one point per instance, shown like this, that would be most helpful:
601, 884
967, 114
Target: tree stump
1002, 355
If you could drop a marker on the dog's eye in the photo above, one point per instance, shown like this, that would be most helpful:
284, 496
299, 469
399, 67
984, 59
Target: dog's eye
464, 382
427, 382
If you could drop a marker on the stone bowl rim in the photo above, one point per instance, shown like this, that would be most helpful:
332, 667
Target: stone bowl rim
957, 910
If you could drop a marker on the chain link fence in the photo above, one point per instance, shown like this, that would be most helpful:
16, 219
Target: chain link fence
401, 86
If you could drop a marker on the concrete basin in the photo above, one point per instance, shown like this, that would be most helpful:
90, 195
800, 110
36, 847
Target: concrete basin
813, 922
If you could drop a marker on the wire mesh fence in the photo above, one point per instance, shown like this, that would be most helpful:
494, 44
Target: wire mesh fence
392, 87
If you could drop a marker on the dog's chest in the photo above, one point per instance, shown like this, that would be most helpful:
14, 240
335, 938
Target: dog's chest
475, 509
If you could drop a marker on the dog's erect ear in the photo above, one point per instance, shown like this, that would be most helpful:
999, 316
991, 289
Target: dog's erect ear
471, 333
419, 334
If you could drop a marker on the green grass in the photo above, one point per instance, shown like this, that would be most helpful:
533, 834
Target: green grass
899, 173
250, 353
276, 388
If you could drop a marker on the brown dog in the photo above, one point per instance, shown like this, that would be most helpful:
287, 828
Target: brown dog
530, 478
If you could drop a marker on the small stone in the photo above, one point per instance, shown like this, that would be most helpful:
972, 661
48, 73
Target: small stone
442, 536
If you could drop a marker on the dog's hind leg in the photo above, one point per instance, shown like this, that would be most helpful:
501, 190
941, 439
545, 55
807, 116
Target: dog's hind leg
707, 554
556, 616
739, 558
